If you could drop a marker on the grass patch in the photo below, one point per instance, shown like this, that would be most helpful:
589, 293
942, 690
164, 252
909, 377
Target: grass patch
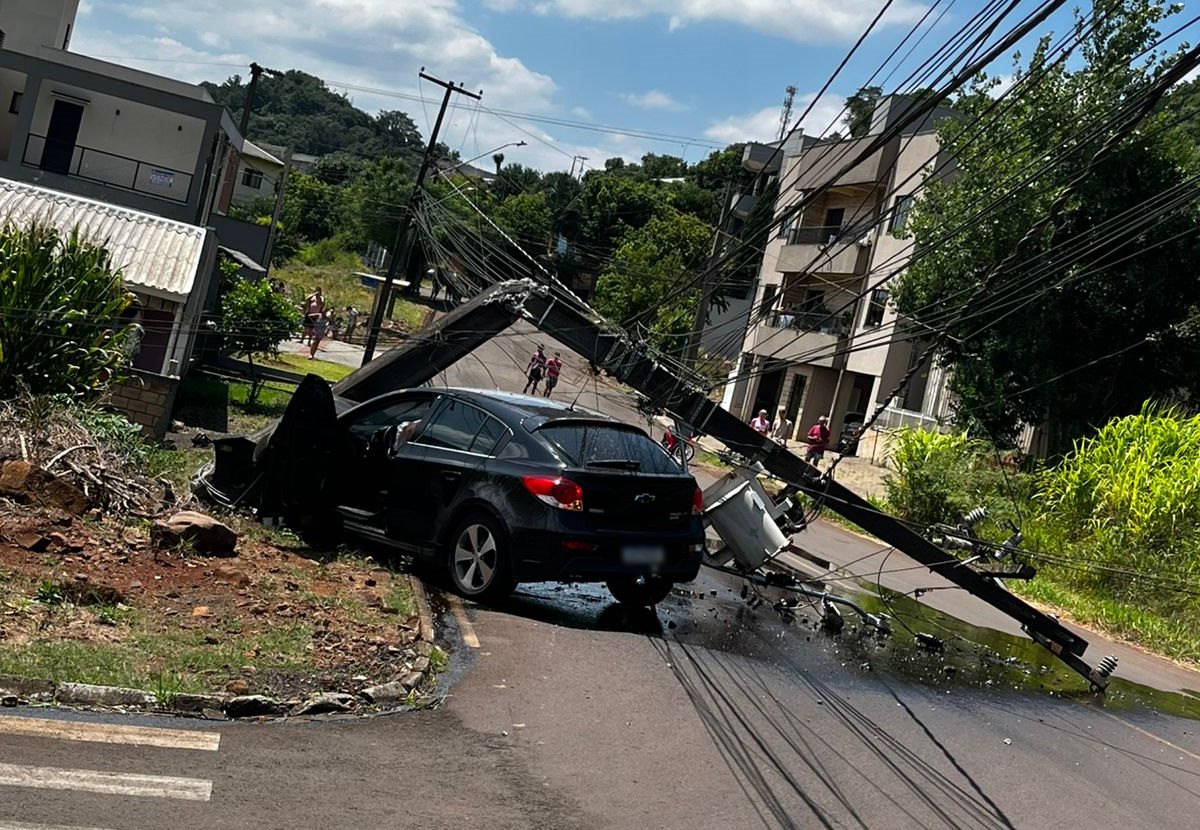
1175, 635
341, 288
176, 661
332, 372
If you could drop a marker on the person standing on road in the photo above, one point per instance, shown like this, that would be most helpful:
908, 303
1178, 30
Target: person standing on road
761, 424
319, 327
351, 321
535, 370
314, 308
818, 441
553, 369
783, 428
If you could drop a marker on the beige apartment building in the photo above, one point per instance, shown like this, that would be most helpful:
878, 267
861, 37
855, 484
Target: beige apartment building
822, 337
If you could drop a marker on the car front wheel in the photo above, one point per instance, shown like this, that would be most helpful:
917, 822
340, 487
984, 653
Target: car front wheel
627, 590
479, 564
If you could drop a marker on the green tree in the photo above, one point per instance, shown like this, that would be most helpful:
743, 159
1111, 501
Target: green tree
526, 218
1024, 344
644, 278
377, 197
64, 325
655, 166
255, 319
859, 108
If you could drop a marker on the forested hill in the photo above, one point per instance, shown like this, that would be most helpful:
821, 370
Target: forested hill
295, 109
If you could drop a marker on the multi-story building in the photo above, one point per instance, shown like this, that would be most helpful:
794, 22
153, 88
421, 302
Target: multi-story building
132, 159
822, 338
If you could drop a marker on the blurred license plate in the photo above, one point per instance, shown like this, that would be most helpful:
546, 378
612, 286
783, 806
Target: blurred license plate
643, 555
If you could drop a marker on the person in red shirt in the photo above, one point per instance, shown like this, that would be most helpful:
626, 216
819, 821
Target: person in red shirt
553, 369
818, 441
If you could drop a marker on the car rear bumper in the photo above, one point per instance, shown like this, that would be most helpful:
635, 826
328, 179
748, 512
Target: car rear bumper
541, 556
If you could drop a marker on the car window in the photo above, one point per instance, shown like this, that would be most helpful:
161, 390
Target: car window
601, 444
398, 412
455, 426
491, 433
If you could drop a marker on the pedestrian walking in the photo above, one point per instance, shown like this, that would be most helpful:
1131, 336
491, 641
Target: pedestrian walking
761, 424
319, 327
351, 321
782, 430
818, 441
314, 308
553, 369
535, 370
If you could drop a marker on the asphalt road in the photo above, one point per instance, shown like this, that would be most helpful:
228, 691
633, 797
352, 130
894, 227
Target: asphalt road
563, 710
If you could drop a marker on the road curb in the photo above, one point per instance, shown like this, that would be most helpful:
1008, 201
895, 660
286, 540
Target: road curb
424, 615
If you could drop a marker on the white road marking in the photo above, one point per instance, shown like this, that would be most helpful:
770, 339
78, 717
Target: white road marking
104, 733
108, 783
9, 825
464, 625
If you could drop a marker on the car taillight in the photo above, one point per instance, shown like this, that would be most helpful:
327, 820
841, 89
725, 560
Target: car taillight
697, 502
556, 492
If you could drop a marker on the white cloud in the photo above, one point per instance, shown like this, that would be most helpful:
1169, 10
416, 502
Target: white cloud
763, 125
653, 99
807, 21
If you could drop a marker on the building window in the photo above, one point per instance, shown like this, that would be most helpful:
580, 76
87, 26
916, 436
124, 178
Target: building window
14, 106
785, 227
252, 178
900, 214
875, 308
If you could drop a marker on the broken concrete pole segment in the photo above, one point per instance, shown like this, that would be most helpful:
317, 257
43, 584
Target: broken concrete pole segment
83, 694
203, 533
252, 706
28, 484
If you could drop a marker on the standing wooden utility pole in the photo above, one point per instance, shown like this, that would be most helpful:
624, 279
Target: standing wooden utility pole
414, 201
248, 105
279, 193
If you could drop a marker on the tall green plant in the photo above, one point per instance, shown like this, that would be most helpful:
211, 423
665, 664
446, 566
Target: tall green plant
62, 299
1128, 500
255, 319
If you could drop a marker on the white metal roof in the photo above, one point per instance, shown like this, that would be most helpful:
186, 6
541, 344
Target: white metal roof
251, 149
154, 253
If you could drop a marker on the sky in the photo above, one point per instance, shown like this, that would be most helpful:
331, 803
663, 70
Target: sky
678, 77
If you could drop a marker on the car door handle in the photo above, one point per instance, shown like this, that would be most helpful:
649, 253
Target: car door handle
451, 476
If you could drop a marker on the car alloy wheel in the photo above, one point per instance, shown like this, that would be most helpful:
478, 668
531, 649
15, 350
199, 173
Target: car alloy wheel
478, 559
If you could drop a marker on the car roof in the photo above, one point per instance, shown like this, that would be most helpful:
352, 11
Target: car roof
533, 411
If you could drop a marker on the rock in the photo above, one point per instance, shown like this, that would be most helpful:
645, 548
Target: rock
421, 664
205, 534
232, 576
25, 686
385, 692
63, 542
9, 701
135, 585
212, 714
197, 704
201, 611
85, 694
251, 706
35, 542
237, 687
413, 679
33, 485
324, 704
424, 648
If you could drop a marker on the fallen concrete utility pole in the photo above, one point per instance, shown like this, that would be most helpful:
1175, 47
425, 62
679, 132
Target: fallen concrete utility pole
667, 388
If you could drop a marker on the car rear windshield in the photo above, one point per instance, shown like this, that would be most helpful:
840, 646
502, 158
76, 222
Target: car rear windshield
614, 447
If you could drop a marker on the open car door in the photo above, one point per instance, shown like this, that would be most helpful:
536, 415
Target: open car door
296, 460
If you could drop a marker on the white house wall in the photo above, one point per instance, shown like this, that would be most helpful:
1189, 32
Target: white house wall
29, 24
122, 133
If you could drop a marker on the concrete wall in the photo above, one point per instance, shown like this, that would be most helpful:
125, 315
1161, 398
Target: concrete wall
126, 143
146, 399
11, 82
28, 24
244, 194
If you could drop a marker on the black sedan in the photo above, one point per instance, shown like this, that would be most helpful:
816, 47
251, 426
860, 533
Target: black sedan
499, 488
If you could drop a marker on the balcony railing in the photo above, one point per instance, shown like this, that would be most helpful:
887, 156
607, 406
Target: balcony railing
821, 322
814, 235
107, 168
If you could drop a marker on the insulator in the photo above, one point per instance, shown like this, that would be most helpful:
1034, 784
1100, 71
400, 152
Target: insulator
975, 516
1107, 666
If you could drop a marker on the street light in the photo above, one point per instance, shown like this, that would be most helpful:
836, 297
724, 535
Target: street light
481, 155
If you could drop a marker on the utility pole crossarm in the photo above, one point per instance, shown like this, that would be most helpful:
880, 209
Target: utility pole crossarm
385, 288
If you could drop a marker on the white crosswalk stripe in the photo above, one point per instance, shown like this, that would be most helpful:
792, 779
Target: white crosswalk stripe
104, 782
108, 783
111, 733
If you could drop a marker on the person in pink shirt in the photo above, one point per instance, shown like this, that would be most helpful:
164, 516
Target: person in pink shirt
818, 441
761, 424
553, 369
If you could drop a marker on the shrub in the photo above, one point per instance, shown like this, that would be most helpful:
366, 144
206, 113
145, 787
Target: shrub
62, 298
255, 319
1127, 500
